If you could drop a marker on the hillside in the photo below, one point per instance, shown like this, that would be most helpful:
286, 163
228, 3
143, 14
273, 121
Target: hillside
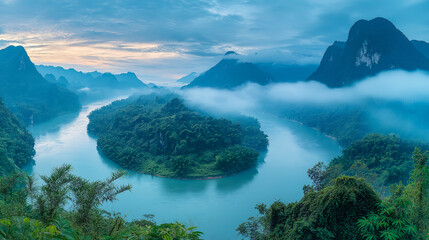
31, 97
381, 159
16, 143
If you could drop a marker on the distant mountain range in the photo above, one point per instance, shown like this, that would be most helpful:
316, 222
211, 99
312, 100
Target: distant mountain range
93, 80
372, 47
31, 97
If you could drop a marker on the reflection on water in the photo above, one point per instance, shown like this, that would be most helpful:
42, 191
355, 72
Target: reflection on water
216, 206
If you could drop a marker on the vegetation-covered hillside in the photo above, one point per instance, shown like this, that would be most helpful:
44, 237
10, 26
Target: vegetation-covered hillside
346, 123
161, 136
381, 160
16, 143
349, 209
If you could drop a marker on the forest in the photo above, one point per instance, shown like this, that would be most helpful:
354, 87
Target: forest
382, 160
16, 143
159, 135
349, 208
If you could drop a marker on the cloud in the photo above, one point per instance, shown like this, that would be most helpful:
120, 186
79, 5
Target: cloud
394, 101
194, 33
392, 86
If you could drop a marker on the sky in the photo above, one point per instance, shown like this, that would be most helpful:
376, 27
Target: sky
163, 40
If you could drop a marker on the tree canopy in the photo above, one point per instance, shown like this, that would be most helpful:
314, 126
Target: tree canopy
159, 135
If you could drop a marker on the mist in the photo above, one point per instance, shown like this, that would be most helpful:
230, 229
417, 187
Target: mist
394, 101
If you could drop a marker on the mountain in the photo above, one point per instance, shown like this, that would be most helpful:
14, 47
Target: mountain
188, 78
93, 80
372, 47
422, 46
61, 81
129, 80
16, 143
230, 72
287, 72
30, 96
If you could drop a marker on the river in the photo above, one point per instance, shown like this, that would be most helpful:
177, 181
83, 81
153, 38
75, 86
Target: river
215, 206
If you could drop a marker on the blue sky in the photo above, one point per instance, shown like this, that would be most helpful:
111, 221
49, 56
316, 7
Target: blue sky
162, 40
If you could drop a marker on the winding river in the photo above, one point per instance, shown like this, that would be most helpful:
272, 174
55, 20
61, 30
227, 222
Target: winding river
215, 206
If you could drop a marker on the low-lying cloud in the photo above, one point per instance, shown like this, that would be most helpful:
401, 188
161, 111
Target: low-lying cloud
394, 101
399, 86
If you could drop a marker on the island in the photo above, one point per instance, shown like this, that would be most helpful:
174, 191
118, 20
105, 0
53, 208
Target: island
160, 135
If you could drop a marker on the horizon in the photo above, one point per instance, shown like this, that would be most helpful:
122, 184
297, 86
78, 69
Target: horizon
173, 39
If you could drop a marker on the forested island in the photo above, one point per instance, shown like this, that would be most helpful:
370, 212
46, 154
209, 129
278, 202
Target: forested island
161, 136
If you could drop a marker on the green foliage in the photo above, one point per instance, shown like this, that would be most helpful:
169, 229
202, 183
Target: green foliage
161, 136
381, 159
54, 193
344, 122
390, 222
88, 196
418, 191
236, 158
16, 143
405, 214
331, 213
50, 219
13, 195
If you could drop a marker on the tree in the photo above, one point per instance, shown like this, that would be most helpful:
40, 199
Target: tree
12, 195
88, 196
54, 193
418, 191
404, 215
331, 213
391, 221
317, 175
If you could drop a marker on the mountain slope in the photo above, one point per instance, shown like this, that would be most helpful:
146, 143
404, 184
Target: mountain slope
287, 72
230, 72
16, 143
188, 78
27, 93
422, 46
372, 47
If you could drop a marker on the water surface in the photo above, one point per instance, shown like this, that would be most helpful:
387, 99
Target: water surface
215, 206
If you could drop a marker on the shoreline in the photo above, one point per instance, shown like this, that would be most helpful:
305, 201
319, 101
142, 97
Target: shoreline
188, 178
314, 128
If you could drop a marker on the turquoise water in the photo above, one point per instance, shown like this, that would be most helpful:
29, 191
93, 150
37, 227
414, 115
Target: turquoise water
215, 206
